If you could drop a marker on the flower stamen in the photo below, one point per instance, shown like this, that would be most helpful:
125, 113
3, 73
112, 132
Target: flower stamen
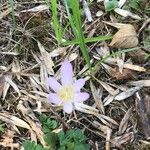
66, 93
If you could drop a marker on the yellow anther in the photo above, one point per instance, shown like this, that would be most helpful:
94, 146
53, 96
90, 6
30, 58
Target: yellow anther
66, 93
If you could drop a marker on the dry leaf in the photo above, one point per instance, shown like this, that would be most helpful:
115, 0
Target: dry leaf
58, 51
108, 88
106, 120
126, 74
2, 83
145, 83
147, 103
143, 107
46, 57
87, 11
24, 107
16, 69
5, 13
108, 136
7, 79
110, 98
8, 82
42, 94
73, 56
111, 71
106, 130
134, 67
6, 85
116, 25
35, 126
120, 140
19, 122
100, 127
103, 52
36, 9
126, 37
99, 13
85, 108
7, 140
44, 77
115, 73
138, 56
13, 120
124, 95
97, 98
124, 122
120, 63
126, 13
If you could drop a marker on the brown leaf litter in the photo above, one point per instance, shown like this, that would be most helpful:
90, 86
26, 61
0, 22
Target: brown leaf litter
143, 111
7, 140
126, 37
110, 118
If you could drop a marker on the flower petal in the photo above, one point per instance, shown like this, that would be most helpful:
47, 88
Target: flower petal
66, 73
81, 97
79, 84
68, 108
54, 99
54, 85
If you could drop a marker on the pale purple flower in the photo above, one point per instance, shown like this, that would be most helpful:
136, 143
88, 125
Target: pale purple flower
69, 91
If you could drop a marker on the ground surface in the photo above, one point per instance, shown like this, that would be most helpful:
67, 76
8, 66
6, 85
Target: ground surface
118, 116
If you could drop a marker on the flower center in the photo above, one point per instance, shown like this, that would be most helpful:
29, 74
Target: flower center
66, 93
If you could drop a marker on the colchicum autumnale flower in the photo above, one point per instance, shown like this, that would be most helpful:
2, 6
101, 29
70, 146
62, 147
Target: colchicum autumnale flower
69, 91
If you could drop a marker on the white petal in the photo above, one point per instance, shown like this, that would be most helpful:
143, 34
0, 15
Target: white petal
66, 73
54, 98
81, 97
54, 85
79, 84
68, 108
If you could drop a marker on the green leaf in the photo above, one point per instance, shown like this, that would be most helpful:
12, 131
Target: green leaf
76, 135
47, 124
135, 4
82, 147
51, 139
111, 5
61, 136
31, 145
70, 146
72, 138
2, 129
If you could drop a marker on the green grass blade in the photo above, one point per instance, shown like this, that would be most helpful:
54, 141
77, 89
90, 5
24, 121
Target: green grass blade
74, 4
94, 68
55, 20
88, 40
97, 39
113, 55
70, 18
